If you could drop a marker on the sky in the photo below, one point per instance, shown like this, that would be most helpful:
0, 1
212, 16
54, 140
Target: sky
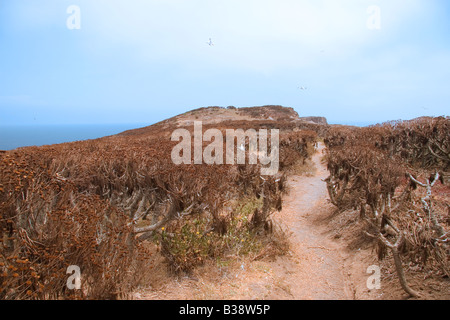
142, 61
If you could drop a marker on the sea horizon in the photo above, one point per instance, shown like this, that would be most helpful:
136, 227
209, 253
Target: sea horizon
27, 135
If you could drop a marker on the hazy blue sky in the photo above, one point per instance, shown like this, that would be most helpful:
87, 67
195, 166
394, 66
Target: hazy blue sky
141, 61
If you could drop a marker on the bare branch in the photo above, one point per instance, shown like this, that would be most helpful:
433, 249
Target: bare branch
417, 181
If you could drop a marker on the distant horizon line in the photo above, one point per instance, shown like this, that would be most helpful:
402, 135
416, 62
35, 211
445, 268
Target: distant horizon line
356, 122
145, 124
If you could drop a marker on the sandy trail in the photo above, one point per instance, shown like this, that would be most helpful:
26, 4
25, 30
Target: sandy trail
320, 260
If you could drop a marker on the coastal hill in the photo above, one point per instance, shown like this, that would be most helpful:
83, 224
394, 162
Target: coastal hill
269, 114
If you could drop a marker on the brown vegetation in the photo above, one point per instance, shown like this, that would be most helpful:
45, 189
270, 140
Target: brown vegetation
392, 174
94, 203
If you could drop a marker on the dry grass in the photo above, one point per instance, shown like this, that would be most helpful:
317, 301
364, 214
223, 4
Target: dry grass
304, 168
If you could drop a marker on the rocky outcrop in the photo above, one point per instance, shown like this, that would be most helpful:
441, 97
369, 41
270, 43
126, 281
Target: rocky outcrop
318, 120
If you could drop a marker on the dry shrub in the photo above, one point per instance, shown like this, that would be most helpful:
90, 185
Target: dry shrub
92, 203
46, 226
423, 142
188, 244
370, 171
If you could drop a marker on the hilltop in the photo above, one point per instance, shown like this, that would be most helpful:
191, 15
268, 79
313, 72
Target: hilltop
285, 117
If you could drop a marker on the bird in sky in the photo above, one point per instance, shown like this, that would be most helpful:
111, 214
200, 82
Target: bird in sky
210, 43
303, 88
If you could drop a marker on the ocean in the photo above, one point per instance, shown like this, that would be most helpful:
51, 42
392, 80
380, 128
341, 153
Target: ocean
357, 123
13, 136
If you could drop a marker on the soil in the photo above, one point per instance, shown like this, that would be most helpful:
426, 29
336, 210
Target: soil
324, 263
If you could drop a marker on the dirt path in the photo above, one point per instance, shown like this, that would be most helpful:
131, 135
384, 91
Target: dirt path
319, 266
320, 273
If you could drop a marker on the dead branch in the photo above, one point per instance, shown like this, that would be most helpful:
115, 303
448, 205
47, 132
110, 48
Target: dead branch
397, 260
